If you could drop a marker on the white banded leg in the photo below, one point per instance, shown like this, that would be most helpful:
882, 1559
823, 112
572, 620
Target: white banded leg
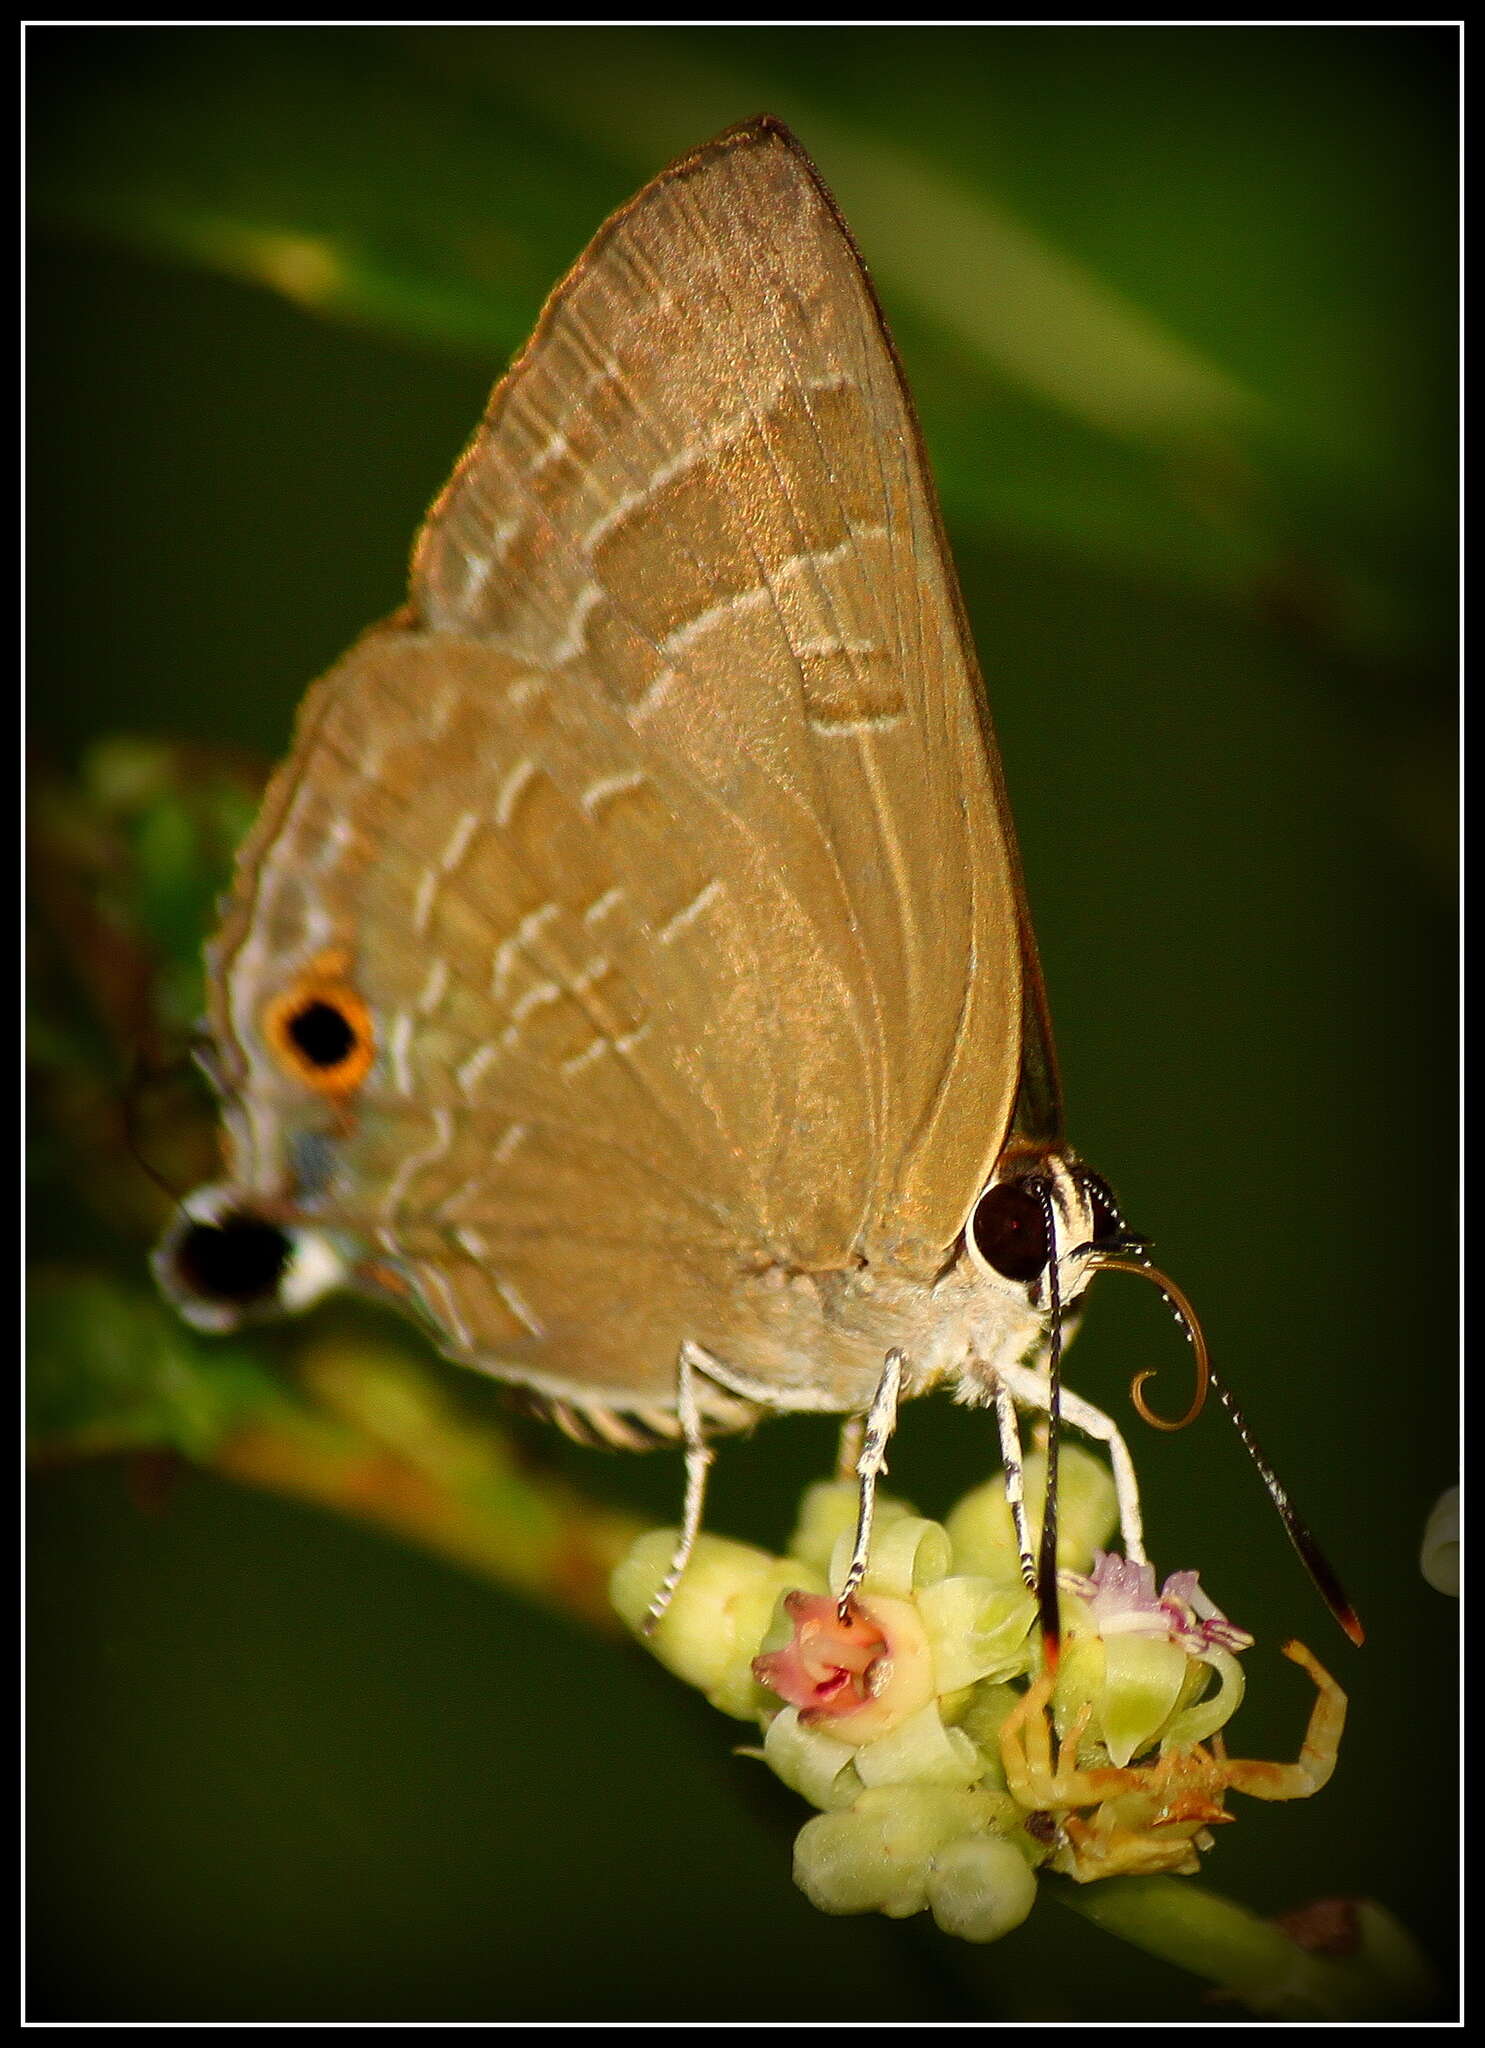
1030, 1389
1015, 1488
881, 1420
699, 1457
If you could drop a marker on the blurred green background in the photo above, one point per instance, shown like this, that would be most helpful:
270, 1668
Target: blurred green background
1179, 309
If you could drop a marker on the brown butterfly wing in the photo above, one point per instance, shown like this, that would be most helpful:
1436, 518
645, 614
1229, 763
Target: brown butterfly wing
661, 835
596, 1006
700, 495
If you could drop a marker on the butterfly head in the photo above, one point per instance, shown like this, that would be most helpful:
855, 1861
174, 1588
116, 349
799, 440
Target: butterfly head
1037, 1231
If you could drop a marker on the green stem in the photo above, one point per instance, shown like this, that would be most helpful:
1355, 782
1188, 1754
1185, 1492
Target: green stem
1375, 1972
357, 1427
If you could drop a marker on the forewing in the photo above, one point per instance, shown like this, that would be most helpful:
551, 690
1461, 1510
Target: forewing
699, 500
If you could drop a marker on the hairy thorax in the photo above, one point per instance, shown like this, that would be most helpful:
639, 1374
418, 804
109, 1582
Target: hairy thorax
819, 1340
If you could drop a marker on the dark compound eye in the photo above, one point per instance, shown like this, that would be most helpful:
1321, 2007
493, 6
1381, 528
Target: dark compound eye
1009, 1229
239, 1260
323, 1033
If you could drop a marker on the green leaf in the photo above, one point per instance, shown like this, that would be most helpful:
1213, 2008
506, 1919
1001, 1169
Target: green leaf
1182, 303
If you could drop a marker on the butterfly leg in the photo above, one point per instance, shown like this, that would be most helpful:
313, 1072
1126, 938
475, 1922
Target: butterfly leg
1093, 1422
848, 1450
1030, 1389
699, 1457
881, 1420
1015, 1490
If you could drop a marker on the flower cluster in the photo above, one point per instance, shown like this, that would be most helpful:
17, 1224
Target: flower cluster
916, 1718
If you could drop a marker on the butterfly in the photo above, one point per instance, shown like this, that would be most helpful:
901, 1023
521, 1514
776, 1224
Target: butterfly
630, 971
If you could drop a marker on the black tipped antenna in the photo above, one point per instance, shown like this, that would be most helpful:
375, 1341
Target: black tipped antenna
1311, 1556
1048, 1615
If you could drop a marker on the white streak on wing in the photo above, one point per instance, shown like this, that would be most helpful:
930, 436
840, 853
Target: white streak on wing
602, 905
607, 787
826, 558
472, 1068
608, 371
652, 697
739, 427
339, 839
472, 1242
796, 568
440, 713
575, 638
688, 913
513, 788
534, 999
414, 1162
476, 576
691, 629
318, 934
423, 903
631, 500
829, 644
428, 1276
319, 929
511, 1138
550, 451
834, 728
434, 987
517, 1307
437, 1213
586, 1057
399, 1043
508, 953
459, 838
525, 689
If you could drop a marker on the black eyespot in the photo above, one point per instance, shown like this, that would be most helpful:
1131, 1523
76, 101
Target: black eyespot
320, 1030
323, 1033
1009, 1227
238, 1261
